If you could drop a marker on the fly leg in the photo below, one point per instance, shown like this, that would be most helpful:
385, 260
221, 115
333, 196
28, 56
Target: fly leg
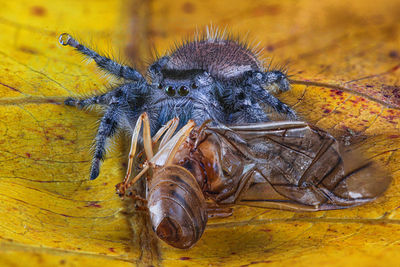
143, 119
216, 211
167, 141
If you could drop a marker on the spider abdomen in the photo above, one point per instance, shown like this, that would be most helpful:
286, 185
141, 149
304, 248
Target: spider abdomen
222, 58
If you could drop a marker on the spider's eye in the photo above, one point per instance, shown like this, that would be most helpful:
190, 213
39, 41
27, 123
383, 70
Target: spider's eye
194, 86
183, 90
170, 90
159, 86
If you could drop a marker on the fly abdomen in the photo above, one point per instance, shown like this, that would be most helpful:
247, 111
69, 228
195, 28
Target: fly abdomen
177, 206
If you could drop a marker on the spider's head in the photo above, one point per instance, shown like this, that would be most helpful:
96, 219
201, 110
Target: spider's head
182, 83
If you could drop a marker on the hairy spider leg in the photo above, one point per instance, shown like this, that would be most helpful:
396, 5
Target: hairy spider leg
256, 80
121, 71
266, 97
274, 77
107, 128
81, 103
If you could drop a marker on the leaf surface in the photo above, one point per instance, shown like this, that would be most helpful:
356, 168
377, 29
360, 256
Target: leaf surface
345, 62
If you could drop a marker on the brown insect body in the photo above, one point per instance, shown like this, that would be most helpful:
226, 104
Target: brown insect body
177, 206
286, 165
283, 165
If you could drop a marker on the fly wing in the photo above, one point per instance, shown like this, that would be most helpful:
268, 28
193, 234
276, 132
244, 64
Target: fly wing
294, 166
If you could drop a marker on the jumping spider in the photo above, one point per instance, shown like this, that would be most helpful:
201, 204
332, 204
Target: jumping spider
210, 78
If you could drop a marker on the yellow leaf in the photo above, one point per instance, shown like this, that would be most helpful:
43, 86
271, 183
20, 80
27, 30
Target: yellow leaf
345, 60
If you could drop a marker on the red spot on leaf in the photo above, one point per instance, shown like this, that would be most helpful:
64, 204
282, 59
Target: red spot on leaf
93, 204
184, 258
38, 11
112, 250
337, 92
188, 7
395, 68
28, 155
393, 136
263, 10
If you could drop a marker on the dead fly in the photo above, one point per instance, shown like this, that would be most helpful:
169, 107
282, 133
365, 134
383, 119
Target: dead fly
199, 172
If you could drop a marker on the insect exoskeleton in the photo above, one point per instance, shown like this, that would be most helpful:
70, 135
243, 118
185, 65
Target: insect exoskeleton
286, 165
175, 201
177, 206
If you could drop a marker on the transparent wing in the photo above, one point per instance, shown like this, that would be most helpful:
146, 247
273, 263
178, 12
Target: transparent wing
287, 165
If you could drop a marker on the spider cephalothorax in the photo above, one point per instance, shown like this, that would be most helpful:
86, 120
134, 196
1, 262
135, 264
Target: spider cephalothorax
210, 78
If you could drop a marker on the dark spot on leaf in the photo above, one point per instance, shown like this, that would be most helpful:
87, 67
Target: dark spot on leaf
60, 137
188, 7
62, 262
93, 204
112, 250
184, 258
393, 136
270, 48
262, 10
394, 54
28, 50
28, 155
38, 11
326, 110
337, 92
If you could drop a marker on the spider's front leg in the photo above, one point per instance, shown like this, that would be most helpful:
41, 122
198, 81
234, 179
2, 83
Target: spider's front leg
104, 63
